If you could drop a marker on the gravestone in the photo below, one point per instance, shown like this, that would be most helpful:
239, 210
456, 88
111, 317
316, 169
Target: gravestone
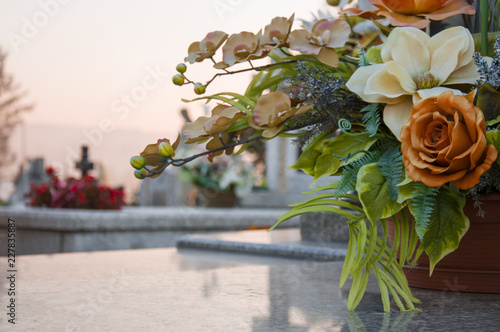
84, 165
35, 174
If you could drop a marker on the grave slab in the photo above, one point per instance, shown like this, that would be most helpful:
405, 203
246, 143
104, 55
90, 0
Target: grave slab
196, 290
44, 230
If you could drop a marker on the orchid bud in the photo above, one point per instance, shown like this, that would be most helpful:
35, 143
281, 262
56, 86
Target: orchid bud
178, 79
181, 68
140, 173
137, 162
333, 2
199, 88
166, 150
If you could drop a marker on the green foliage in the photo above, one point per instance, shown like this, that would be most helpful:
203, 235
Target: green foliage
367, 252
323, 157
363, 59
493, 137
488, 100
349, 175
447, 227
422, 205
373, 191
371, 118
391, 167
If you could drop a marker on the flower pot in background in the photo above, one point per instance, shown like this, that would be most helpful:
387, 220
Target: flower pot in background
217, 199
475, 265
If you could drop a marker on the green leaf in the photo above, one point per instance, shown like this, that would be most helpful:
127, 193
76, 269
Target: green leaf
308, 157
406, 190
373, 191
488, 100
447, 226
229, 101
493, 137
329, 162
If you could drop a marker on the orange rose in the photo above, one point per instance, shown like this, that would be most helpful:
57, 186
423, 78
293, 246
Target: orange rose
444, 141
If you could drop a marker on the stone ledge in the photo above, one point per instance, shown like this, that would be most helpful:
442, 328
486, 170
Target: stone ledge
257, 243
144, 219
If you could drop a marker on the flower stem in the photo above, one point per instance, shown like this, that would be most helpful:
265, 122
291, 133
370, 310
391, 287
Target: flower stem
483, 12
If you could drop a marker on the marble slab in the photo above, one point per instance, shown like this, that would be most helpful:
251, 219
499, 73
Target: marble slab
197, 290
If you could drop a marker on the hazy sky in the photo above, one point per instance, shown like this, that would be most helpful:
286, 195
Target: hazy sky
80, 59
107, 65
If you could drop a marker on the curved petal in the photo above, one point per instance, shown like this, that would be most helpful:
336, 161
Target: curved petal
272, 131
467, 74
196, 128
299, 41
397, 115
472, 178
433, 92
358, 79
339, 33
452, 7
408, 48
405, 80
385, 87
450, 49
401, 20
237, 45
194, 52
328, 56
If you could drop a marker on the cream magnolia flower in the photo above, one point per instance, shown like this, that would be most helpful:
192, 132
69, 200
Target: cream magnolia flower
415, 66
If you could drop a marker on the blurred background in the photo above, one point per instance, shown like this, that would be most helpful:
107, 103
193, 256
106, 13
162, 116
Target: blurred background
98, 73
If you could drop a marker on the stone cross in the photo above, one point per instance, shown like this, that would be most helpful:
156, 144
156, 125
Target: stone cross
84, 165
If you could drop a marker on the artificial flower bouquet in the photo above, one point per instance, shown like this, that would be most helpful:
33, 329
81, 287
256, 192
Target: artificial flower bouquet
406, 124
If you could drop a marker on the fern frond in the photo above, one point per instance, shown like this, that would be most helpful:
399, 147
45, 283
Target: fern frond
391, 167
371, 118
363, 59
422, 206
350, 172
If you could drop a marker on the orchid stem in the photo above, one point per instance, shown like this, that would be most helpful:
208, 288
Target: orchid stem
181, 162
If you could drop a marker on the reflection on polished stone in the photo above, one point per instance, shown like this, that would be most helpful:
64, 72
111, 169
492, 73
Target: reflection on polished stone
164, 290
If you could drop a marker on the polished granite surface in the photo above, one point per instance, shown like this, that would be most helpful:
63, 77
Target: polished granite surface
277, 243
194, 290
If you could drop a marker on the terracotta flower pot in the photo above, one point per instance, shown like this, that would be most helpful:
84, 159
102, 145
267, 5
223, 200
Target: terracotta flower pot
475, 266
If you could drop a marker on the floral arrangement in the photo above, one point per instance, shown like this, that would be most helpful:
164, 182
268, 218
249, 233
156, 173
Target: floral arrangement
73, 193
223, 175
405, 124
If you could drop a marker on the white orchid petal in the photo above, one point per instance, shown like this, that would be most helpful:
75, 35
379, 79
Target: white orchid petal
397, 115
